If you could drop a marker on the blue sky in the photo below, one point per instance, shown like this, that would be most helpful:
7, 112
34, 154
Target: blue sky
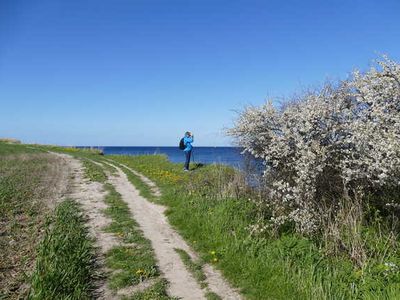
126, 72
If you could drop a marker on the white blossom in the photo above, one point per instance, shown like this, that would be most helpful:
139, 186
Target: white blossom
342, 139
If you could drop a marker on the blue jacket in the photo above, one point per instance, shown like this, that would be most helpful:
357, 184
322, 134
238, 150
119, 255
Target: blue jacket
188, 143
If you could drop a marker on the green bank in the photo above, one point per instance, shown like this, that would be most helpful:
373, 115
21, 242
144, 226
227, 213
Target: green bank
215, 211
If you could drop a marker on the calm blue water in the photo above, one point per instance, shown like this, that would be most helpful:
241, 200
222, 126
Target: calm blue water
206, 155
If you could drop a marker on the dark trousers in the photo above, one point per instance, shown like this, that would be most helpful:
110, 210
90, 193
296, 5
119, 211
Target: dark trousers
187, 154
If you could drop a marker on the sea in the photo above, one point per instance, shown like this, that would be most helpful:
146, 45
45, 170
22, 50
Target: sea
231, 156
206, 155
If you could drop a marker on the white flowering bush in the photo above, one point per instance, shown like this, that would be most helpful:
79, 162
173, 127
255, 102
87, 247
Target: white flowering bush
339, 143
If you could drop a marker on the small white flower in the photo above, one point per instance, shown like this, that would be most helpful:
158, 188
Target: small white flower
347, 134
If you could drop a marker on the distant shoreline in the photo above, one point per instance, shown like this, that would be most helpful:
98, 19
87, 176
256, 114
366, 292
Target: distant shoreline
86, 146
224, 155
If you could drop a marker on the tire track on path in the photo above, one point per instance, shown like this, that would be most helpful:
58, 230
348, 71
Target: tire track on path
91, 196
155, 226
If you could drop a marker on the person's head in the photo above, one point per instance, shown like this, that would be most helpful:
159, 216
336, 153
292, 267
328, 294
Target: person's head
188, 133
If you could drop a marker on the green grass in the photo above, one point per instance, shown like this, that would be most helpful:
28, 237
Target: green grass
7, 149
263, 266
64, 265
217, 226
106, 166
24, 195
135, 261
196, 268
71, 150
89, 158
134, 258
81, 153
144, 190
94, 172
156, 167
155, 292
212, 296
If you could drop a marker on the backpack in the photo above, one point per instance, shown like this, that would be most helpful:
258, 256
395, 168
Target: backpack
182, 144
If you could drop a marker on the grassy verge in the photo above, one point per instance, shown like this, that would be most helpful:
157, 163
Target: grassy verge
156, 167
64, 265
25, 175
14, 149
263, 266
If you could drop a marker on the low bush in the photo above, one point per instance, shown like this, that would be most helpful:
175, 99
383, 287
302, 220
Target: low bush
331, 157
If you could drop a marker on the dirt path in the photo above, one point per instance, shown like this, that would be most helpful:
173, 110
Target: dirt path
153, 187
155, 226
152, 220
91, 196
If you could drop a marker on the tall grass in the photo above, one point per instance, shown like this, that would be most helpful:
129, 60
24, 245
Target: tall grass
65, 260
25, 197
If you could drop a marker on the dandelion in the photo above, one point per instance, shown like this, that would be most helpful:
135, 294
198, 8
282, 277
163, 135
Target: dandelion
214, 260
139, 272
212, 252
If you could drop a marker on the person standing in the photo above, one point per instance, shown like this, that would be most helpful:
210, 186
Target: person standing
188, 140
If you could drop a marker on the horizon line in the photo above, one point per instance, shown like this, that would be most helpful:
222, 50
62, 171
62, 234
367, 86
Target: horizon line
148, 146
